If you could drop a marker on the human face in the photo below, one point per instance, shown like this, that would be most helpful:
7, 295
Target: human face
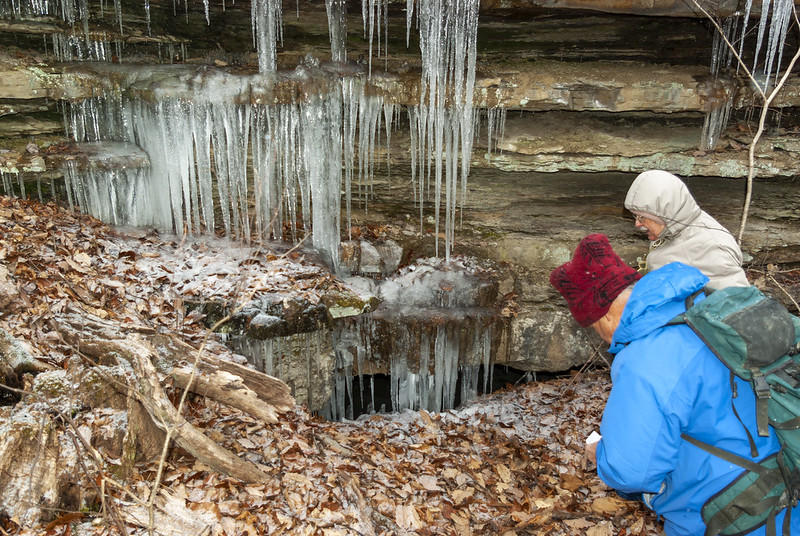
605, 327
652, 227
607, 324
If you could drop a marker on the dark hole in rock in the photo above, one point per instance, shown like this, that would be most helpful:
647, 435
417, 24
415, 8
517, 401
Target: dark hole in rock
371, 394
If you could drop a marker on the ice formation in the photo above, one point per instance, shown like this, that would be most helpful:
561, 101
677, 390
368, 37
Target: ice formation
434, 332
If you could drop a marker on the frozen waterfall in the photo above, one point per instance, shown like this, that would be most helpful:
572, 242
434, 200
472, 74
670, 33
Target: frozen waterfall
433, 333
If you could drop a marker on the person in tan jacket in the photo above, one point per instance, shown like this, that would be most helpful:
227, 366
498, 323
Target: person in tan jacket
679, 230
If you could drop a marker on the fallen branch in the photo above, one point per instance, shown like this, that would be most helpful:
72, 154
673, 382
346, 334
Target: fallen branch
82, 332
166, 417
228, 389
269, 389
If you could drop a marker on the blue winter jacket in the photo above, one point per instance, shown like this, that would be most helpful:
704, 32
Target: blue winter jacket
667, 382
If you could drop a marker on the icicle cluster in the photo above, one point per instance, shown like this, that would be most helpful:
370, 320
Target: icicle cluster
773, 25
210, 155
434, 333
265, 169
77, 48
66, 47
431, 366
118, 196
443, 123
495, 128
714, 124
372, 11
295, 359
8, 180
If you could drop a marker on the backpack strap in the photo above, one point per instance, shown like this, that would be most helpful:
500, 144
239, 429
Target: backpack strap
763, 393
750, 440
689, 301
725, 455
751, 500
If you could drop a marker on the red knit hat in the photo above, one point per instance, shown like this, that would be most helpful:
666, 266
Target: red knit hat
593, 279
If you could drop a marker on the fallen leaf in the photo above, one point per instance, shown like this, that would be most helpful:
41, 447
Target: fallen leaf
571, 482
407, 517
608, 505
504, 473
604, 528
82, 258
430, 483
460, 495
580, 523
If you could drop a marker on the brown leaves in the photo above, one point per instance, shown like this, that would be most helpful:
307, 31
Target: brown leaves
609, 505
510, 464
61, 260
489, 469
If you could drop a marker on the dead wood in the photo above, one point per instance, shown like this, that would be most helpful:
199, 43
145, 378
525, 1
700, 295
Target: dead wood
16, 359
227, 388
139, 354
92, 336
268, 389
29, 455
83, 332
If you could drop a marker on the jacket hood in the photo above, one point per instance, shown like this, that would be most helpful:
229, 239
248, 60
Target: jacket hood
657, 298
664, 195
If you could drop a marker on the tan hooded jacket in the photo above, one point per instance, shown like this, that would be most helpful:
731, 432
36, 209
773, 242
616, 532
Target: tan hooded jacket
691, 235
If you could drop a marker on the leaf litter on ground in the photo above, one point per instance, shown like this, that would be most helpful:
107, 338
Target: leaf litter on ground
510, 463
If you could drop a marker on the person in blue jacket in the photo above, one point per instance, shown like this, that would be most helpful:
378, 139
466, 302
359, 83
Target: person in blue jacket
665, 383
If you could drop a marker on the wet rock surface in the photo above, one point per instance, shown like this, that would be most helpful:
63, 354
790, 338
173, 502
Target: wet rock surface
529, 223
578, 101
538, 58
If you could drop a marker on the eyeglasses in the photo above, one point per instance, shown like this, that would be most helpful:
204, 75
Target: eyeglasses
639, 219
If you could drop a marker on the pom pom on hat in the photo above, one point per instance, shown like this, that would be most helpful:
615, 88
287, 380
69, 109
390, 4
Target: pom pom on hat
593, 279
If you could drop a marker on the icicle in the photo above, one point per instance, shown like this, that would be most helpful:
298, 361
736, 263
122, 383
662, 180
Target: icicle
426, 393
147, 15
264, 187
267, 32
745, 20
368, 123
337, 28
388, 121
8, 186
401, 391
201, 139
352, 89
322, 152
118, 14
371, 11
488, 365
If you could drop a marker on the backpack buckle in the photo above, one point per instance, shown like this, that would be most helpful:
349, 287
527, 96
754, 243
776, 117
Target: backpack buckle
760, 386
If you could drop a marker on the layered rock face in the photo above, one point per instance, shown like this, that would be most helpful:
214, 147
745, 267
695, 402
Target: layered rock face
570, 100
